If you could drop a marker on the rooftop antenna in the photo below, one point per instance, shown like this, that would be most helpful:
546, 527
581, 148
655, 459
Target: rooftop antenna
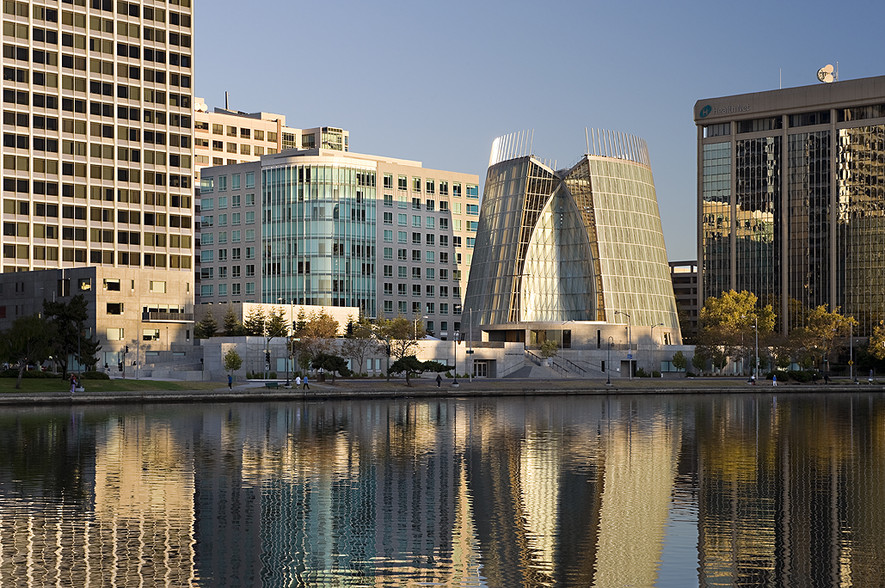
826, 75
226, 101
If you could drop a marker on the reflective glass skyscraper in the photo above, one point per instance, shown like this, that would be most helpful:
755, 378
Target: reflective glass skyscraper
791, 198
577, 244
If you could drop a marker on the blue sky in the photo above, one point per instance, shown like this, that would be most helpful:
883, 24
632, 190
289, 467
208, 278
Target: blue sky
438, 81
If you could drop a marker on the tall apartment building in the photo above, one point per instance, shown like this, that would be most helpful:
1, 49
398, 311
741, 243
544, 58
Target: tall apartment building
97, 154
226, 137
336, 228
791, 198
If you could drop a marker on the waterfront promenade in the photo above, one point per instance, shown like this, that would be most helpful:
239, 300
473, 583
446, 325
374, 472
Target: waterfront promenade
256, 390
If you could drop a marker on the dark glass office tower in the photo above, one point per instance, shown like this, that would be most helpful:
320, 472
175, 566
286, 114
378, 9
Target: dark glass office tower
791, 198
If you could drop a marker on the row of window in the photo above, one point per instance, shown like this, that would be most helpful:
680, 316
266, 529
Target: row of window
208, 273
236, 253
11, 206
429, 290
429, 308
40, 253
208, 290
235, 199
429, 186
208, 221
242, 132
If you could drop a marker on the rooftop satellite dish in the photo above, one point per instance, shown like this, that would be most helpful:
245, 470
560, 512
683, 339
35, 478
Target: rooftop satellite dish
826, 75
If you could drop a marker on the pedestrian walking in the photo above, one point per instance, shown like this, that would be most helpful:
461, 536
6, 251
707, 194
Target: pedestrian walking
230, 382
774, 380
438, 380
297, 381
305, 384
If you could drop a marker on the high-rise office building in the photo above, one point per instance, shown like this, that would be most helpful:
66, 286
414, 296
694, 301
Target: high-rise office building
225, 137
577, 245
97, 152
791, 198
334, 228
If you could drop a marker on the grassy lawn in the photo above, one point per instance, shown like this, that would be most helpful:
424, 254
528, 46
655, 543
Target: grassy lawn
7, 385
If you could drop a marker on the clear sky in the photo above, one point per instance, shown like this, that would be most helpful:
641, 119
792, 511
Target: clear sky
438, 81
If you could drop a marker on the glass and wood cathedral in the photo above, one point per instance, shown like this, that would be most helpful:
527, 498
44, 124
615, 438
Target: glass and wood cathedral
579, 248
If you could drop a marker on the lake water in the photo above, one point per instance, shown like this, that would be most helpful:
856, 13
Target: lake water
724, 490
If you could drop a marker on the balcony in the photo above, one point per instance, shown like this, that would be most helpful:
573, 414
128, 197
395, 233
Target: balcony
167, 317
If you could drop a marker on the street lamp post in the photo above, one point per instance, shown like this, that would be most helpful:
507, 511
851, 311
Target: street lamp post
629, 344
756, 365
608, 363
654, 343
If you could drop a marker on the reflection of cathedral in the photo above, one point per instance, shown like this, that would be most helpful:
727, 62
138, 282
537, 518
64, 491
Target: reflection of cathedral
590, 491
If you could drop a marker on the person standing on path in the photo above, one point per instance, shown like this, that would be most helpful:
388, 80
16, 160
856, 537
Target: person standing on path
774, 380
73, 383
438, 380
230, 382
297, 381
305, 385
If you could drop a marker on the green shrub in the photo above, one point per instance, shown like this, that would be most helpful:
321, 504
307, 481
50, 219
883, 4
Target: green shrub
95, 375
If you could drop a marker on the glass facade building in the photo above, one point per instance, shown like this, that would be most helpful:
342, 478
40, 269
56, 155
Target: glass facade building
791, 198
332, 228
576, 244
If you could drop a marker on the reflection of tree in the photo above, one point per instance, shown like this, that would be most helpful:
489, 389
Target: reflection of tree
39, 463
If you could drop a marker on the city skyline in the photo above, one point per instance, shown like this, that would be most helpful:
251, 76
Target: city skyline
423, 83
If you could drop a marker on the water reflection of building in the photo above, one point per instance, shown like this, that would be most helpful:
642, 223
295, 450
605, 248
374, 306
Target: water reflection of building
791, 198
133, 525
788, 498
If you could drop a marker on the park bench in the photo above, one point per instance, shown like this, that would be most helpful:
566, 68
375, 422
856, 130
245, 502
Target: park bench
271, 384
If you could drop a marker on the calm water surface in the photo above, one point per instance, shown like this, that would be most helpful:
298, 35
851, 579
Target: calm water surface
742, 490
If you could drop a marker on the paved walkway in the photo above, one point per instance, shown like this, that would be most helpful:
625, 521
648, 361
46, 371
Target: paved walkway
253, 391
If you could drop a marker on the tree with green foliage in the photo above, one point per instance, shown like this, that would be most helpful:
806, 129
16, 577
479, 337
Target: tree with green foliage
68, 321
28, 341
254, 323
206, 328
549, 348
824, 333
699, 359
728, 324
680, 362
360, 342
232, 361
409, 364
232, 325
331, 364
876, 347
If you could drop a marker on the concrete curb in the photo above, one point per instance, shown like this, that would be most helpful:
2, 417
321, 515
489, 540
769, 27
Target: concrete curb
350, 390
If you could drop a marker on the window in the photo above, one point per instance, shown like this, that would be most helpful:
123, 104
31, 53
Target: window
112, 284
429, 205
388, 200
430, 222
402, 237
416, 238
416, 290
401, 272
402, 219
416, 255
429, 238
416, 221
473, 209
402, 254
388, 218
416, 273
388, 253
114, 334
115, 308
388, 271
158, 287
388, 236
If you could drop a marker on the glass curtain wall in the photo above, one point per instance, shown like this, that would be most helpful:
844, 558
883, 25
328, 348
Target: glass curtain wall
633, 257
716, 218
861, 224
809, 234
319, 236
757, 217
